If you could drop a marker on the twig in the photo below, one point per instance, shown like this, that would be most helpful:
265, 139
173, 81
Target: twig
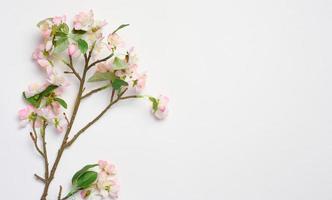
34, 138
101, 60
39, 178
66, 118
60, 191
46, 165
70, 65
95, 90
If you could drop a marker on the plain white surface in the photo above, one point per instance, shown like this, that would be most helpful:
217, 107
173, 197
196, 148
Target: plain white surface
250, 87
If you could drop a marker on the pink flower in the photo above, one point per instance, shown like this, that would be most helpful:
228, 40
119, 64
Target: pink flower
85, 193
140, 83
56, 79
106, 167
45, 28
34, 88
162, 109
26, 115
114, 41
45, 64
103, 67
57, 20
83, 20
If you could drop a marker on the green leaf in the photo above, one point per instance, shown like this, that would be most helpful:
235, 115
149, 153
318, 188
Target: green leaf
119, 64
81, 171
49, 90
36, 99
120, 27
61, 102
102, 76
82, 45
61, 44
155, 103
86, 179
79, 32
63, 28
118, 83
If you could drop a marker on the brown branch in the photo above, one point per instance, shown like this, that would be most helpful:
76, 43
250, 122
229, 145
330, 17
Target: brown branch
39, 178
101, 60
46, 164
69, 127
60, 191
71, 66
95, 90
82, 130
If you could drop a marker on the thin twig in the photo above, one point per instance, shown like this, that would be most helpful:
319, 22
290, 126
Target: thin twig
71, 66
34, 138
46, 165
66, 118
39, 178
95, 90
60, 191
101, 60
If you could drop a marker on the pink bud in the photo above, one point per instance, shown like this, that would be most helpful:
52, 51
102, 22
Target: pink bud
72, 49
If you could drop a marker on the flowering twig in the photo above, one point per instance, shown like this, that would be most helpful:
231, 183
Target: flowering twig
119, 69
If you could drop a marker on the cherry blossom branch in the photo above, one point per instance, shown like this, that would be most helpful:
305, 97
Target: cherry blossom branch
95, 91
71, 122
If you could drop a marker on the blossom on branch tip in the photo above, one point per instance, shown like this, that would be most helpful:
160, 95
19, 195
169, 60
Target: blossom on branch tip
160, 111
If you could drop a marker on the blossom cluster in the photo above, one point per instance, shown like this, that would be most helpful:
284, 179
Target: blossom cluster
106, 186
59, 41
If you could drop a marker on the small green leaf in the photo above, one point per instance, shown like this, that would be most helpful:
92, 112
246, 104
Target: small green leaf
81, 171
82, 45
86, 179
102, 76
49, 90
61, 44
120, 27
63, 28
119, 64
118, 83
61, 102
155, 103
79, 32
36, 99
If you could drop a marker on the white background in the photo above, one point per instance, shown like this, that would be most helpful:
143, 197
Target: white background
251, 100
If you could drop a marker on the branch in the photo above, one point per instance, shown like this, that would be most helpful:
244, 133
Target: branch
60, 191
39, 178
70, 65
34, 138
46, 165
131, 97
101, 60
70, 142
95, 90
